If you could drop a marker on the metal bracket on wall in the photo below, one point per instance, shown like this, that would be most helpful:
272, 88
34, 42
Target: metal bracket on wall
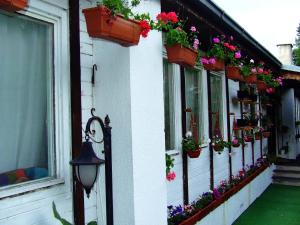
94, 69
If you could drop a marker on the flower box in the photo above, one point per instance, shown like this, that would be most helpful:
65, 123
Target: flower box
217, 66
101, 24
193, 154
261, 85
234, 73
13, 5
181, 55
251, 79
266, 134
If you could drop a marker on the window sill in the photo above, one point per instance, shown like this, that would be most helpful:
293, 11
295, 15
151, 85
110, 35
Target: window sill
30, 186
173, 152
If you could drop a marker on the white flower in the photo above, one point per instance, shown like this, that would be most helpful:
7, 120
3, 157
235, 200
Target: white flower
189, 134
251, 61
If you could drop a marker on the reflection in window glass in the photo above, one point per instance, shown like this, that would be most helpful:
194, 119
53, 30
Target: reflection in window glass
26, 99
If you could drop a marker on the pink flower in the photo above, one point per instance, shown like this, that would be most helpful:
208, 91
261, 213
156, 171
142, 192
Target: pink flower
216, 40
253, 70
232, 48
193, 29
237, 55
235, 141
212, 61
196, 44
179, 28
231, 38
171, 176
172, 17
260, 70
270, 90
204, 61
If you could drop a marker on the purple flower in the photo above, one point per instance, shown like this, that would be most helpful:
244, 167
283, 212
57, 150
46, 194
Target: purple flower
193, 29
216, 193
204, 61
237, 55
216, 40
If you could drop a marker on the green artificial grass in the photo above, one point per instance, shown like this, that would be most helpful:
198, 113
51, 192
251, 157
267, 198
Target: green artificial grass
278, 205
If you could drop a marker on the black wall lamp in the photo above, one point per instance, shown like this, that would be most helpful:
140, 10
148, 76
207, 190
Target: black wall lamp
86, 165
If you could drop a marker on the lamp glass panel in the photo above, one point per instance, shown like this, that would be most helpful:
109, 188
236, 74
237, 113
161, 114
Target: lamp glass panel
87, 174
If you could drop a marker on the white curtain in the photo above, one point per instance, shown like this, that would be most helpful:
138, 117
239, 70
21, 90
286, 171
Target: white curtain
25, 102
193, 96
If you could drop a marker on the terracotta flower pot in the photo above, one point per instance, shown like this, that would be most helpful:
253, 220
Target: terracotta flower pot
181, 55
257, 136
218, 148
218, 66
101, 24
234, 73
251, 79
248, 138
266, 134
261, 85
13, 5
194, 154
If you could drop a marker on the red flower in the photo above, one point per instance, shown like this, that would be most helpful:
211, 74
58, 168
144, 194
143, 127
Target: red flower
226, 45
145, 28
163, 17
232, 48
172, 17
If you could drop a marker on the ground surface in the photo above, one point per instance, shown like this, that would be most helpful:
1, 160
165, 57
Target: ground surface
278, 205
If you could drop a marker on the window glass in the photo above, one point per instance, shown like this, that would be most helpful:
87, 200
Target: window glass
26, 99
193, 96
216, 104
169, 106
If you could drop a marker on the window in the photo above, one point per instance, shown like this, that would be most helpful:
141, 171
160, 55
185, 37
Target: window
27, 100
216, 104
193, 96
172, 103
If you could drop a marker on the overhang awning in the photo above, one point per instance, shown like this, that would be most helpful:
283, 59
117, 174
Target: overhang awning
291, 72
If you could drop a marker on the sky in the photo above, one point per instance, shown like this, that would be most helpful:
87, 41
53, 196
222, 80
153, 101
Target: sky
270, 22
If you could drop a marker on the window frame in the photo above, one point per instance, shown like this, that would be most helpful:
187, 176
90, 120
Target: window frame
58, 18
178, 114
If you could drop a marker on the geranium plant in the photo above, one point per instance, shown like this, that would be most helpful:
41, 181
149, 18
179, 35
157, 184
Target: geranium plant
170, 175
219, 144
174, 31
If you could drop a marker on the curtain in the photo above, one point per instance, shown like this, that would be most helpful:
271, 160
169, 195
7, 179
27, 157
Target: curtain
169, 94
25, 98
193, 96
216, 104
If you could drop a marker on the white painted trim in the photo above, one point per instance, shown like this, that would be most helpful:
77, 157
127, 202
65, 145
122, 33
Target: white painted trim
59, 18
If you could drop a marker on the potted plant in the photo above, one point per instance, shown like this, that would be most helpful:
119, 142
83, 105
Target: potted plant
219, 144
191, 147
13, 5
266, 134
248, 137
249, 71
170, 175
214, 58
263, 78
182, 46
236, 142
114, 20
258, 132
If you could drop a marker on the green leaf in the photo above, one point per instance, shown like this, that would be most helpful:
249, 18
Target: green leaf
92, 223
57, 216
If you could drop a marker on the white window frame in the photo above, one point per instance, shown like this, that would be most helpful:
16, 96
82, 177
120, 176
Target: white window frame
58, 17
177, 105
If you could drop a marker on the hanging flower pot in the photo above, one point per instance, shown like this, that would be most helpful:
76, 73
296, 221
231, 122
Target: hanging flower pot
101, 24
234, 73
248, 138
181, 55
218, 148
235, 143
266, 134
213, 64
261, 85
251, 79
193, 154
13, 5
257, 136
